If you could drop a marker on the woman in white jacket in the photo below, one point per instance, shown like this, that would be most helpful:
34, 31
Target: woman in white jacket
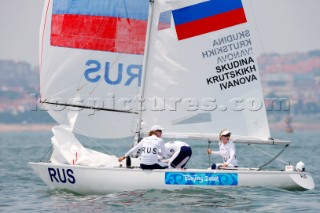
227, 150
179, 153
150, 149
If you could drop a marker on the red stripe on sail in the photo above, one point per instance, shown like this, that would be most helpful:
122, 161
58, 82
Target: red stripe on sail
210, 24
99, 33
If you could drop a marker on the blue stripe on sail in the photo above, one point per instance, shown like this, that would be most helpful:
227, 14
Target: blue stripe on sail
204, 9
132, 9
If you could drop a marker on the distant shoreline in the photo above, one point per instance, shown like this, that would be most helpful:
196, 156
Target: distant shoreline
25, 127
295, 126
47, 127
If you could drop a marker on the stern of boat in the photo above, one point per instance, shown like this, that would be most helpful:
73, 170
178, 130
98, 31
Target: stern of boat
303, 180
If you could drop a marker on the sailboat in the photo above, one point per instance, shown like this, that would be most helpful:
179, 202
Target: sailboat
112, 69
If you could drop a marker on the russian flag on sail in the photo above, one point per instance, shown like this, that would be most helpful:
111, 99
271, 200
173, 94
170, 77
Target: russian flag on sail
112, 25
164, 20
207, 17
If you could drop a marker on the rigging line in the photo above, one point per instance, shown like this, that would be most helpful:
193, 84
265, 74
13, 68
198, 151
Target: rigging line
49, 151
126, 11
256, 25
133, 126
275, 157
209, 142
95, 142
95, 36
98, 83
117, 58
278, 159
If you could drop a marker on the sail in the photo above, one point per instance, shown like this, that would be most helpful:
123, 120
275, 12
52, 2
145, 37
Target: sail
202, 74
68, 150
91, 55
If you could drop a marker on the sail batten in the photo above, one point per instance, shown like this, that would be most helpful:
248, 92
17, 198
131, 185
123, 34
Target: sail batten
89, 107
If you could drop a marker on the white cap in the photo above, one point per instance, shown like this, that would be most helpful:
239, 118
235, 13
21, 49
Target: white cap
300, 166
156, 127
226, 132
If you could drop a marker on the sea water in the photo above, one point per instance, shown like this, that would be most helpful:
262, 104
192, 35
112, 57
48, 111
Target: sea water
21, 190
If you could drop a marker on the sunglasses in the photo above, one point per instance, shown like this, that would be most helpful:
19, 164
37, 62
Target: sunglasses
159, 131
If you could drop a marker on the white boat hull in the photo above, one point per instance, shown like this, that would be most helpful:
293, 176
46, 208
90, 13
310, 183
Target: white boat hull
101, 180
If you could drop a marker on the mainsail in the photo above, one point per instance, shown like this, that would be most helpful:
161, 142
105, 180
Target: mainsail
202, 75
91, 55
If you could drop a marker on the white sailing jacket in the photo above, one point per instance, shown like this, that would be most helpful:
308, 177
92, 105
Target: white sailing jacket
227, 152
149, 150
174, 146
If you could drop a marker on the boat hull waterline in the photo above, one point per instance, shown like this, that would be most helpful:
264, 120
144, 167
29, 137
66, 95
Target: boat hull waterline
102, 180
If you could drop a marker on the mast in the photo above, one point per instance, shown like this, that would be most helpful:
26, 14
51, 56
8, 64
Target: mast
144, 70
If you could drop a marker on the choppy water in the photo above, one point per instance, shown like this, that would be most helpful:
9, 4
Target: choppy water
22, 191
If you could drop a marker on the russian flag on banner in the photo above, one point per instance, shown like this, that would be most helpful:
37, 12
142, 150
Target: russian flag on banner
207, 17
112, 25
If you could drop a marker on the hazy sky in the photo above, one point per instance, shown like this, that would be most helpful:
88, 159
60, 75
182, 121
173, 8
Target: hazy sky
284, 26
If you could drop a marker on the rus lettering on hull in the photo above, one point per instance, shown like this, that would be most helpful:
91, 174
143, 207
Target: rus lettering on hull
61, 175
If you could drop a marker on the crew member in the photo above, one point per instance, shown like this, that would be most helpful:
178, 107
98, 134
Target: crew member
227, 150
179, 153
150, 149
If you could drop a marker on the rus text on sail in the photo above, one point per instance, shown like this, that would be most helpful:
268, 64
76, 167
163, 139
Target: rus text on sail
113, 73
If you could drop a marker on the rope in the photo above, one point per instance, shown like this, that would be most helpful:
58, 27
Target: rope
49, 151
256, 25
269, 154
209, 142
